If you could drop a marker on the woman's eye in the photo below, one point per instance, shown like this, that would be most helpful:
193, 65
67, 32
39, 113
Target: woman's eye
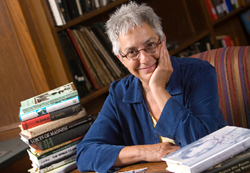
131, 52
149, 45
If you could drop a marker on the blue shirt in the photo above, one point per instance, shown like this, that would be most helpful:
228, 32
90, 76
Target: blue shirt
191, 113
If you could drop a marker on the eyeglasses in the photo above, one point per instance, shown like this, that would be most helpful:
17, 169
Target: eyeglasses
150, 48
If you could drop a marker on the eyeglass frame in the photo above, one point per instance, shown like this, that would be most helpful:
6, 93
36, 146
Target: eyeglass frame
157, 45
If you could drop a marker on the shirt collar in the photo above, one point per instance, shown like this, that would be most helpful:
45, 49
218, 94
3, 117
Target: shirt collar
174, 87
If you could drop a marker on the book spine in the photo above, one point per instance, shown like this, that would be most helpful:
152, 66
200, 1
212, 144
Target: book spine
62, 137
61, 129
38, 130
70, 161
222, 156
58, 155
238, 163
48, 98
211, 10
76, 68
83, 62
62, 113
65, 112
56, 13
48, 109
50, 102
36, 121
53, 158
39, 152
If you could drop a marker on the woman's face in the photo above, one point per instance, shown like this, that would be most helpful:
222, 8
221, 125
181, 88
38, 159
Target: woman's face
137, 39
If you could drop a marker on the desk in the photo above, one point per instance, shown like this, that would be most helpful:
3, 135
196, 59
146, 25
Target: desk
152, 167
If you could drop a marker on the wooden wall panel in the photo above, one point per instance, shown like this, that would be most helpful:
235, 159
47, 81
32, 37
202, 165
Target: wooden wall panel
20, 71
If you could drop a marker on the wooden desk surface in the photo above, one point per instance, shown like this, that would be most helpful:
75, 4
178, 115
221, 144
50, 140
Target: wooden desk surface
152, 167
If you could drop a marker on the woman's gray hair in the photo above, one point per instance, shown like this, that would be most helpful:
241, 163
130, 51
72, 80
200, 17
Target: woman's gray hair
129, 16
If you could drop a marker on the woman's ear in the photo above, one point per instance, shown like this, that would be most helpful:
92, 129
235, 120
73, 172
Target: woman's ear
121, 60
165, 39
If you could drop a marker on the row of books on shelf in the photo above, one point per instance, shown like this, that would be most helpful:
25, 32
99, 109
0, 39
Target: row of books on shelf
52, 124
66, 10
219, 8
90, 59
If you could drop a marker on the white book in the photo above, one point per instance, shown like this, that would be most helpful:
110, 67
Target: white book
79, 7
56, 13
209, 150
40, 160
48, 109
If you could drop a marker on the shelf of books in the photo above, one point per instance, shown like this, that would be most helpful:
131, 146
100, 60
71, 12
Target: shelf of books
52, 124
86, 52
88, 11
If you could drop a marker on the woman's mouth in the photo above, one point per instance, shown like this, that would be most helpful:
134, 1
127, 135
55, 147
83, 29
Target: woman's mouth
149, 68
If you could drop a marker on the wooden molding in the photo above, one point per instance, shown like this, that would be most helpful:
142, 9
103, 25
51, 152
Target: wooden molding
27, 45
9, 132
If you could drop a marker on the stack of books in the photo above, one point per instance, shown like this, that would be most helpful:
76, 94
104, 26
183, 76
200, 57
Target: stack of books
52, 124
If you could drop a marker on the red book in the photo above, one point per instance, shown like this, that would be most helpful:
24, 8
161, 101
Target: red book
211, 10
36, 121
225, 41
82, 59
62, 113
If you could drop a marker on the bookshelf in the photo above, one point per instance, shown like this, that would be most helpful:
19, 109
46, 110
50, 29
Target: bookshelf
185, 22
190, 24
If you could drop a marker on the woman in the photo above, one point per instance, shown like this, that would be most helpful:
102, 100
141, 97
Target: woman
166, 102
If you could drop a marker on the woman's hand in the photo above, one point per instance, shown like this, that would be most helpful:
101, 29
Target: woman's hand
148, 153
155, 152
164, 69
161, 76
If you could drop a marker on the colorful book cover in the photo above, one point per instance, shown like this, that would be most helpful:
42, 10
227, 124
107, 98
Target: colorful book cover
48, 98
62, 113
48, 109
38, 130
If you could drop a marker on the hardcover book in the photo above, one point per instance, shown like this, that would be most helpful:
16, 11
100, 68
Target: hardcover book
62, 137
51, 116
48, 109
39, 152
59, 20
38, 130
53, 155
238, 163
53, 96
58, 130
209, 150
